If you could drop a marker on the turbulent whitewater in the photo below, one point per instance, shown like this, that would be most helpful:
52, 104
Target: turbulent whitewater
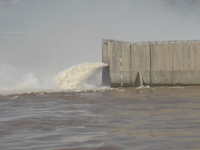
80, 77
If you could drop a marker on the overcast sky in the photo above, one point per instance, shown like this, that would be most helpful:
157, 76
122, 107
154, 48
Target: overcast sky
57, 34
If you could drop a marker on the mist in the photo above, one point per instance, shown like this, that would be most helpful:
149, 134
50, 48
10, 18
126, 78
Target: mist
43, 37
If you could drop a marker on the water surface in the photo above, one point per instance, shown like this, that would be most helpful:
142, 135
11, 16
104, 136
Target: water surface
152, 118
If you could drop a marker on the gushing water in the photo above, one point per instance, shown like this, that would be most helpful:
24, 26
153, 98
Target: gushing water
81, 77
139, 80
78, 77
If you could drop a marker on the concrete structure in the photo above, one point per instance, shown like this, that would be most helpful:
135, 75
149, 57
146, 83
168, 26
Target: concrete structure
157, 63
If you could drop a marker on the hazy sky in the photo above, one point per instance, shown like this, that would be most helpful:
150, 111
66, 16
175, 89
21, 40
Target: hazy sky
52, 35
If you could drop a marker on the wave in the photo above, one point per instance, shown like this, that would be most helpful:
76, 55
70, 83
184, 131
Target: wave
86, 76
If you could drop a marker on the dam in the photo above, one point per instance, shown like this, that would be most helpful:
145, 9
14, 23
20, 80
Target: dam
154, 63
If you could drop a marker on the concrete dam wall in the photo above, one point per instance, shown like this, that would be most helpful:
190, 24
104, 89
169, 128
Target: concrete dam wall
153, 63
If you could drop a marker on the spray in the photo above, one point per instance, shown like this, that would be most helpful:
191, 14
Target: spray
76, 77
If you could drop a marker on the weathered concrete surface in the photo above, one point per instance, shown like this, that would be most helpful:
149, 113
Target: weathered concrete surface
126, 65
140, 62
105, 52
114, 53
159, 63
186, 63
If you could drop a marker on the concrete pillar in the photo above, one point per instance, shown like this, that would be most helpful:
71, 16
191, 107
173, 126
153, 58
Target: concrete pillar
161, 64
115, 51
140, 62
126, 65
105, 51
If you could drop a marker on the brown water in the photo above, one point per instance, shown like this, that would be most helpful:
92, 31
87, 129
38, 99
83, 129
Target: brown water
158, 118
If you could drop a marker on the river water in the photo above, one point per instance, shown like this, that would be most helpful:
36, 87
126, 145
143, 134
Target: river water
151, 118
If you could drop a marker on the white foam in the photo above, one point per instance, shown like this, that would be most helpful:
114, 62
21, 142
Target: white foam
83, 77
77, 77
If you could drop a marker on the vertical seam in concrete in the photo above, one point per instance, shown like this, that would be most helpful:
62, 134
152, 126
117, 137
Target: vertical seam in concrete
102, 51
109, 61
121, 70
108, 53
172, 49
120, 62
150, 63
130, 66
172, 57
